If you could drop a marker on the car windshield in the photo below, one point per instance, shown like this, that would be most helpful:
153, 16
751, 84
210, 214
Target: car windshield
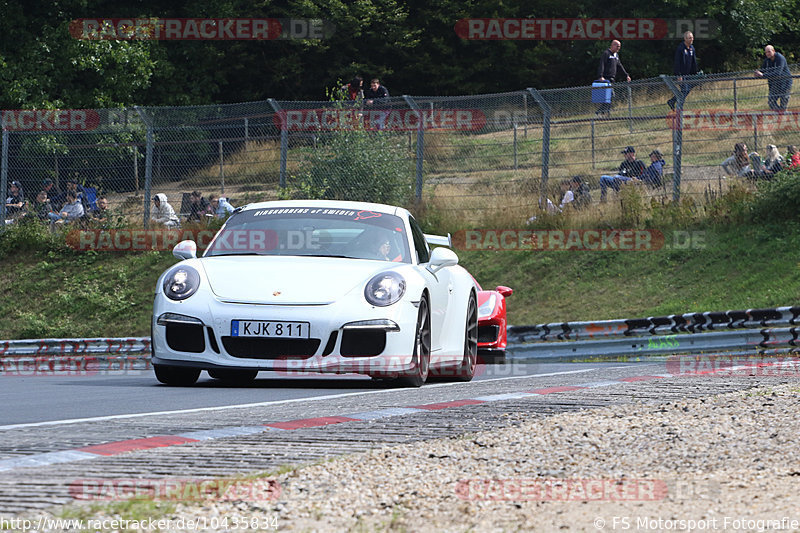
313, 231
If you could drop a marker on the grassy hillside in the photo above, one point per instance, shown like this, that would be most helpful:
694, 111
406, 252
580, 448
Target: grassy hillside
55, 292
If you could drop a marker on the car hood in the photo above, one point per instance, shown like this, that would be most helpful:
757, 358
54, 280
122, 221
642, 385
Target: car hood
287, 280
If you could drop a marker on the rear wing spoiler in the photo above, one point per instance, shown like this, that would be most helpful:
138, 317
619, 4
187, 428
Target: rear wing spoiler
439, 240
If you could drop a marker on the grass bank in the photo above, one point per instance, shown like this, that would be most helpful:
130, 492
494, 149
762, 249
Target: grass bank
52, 291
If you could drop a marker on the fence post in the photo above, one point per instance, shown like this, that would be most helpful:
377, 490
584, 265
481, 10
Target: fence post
148, 166
284, 140
677, 136
735, 100
515, 145
420, 142
136, 167
3, 176
546, 111
593, 161
221, 169
755, 136
246, 131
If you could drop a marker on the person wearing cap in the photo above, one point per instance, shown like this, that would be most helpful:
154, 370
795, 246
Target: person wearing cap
655, 172
15, 201
630, 169
163, 213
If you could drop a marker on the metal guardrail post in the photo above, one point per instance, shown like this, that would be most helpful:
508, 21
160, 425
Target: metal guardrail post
284, 141
546, 112
677, 137
420, 143
3, 176
148, 165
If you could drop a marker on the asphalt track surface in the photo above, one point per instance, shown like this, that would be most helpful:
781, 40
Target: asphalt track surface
47, 397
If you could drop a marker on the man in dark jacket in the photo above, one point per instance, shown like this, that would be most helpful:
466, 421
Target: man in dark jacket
610, 66
630, 169
685, 64
779, 78
377, 96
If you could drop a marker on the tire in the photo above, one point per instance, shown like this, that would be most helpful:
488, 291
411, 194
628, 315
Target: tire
238, 377
467, 369
422, 348
176, 375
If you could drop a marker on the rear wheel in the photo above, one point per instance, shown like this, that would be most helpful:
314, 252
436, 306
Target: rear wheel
176, 375
422, 348
234, 376
467, 369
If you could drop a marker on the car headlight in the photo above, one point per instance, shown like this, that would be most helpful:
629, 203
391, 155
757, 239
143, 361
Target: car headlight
181, 282
487, 307
385, 289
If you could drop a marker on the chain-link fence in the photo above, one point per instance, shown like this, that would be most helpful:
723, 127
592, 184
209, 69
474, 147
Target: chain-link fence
463, 155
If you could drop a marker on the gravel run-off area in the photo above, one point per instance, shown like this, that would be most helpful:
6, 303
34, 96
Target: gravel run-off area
719, 463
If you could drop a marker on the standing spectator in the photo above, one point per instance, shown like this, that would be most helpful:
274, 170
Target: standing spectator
655, 172
737, 163
15, 201
220, 207
779, 78
794, 156
72, 210
685, 64
199, 207
609, 65
163, 213
630, 169
355, 89
377, 96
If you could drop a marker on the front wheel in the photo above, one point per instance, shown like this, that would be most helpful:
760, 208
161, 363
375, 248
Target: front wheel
176, 375
422, 348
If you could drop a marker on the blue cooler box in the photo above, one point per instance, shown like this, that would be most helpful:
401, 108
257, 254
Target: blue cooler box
601, 92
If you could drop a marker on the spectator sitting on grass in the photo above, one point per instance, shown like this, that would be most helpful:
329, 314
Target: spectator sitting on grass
42, 208
199, 207
80, 193
102, 216
793, 155
774, 161
15, 202
630, 169
163, 213
219, 207
56, 197
567, 194
735, 165
72, 210
654, 173
581, 192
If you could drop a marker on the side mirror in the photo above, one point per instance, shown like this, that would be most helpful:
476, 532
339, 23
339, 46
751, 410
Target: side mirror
185, 250
440, 258
505, 291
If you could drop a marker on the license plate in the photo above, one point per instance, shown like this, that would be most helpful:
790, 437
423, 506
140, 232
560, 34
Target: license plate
263, 328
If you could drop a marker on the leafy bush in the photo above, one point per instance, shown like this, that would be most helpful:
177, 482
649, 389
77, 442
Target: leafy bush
777, 200
29, 234
356, 164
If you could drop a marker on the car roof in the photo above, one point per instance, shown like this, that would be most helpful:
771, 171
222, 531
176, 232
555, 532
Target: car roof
330, 204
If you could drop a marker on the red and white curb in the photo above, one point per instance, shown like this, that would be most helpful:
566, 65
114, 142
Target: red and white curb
116, 448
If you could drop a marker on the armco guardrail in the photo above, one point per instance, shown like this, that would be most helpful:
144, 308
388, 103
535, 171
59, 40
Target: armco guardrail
71, 357
747, 331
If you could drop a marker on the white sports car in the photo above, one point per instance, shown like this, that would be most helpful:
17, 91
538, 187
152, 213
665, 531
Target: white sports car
316, 286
